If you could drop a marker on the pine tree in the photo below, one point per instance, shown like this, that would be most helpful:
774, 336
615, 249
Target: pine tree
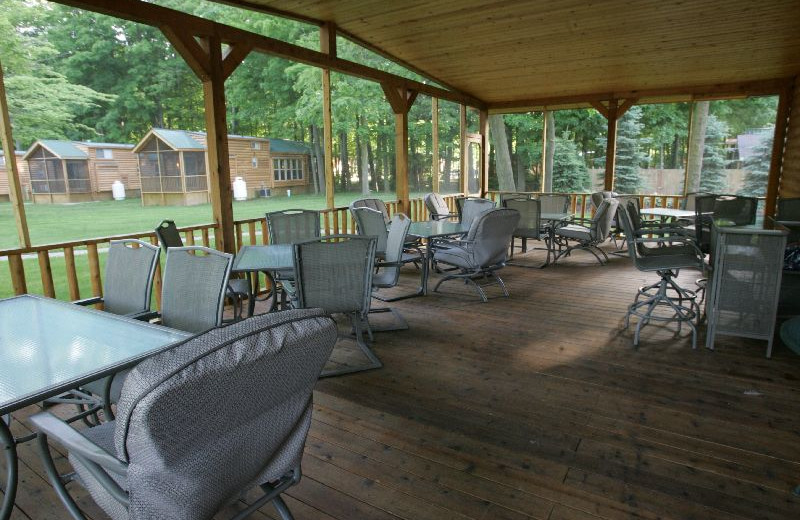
569, 169
629, 152
713, 177
757, 167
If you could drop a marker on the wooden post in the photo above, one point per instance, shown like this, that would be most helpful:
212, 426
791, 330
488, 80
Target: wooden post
401, 100
544, 152
463, 145
611, 145
219, 175
327, 43
14, 188
435, 144
778, 144
484, 131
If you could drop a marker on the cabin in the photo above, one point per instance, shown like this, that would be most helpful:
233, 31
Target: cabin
75, 171
173, 166
24, 176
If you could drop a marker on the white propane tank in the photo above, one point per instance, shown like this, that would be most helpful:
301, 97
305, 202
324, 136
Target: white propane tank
239, 189
118, 190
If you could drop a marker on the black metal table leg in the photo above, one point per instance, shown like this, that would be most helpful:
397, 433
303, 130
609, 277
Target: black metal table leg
9, 447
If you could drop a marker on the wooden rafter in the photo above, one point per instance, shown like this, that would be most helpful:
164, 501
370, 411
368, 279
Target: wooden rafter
14, 188
189, 48
400, 99
233, 57
158, 16
600, 107
625, 106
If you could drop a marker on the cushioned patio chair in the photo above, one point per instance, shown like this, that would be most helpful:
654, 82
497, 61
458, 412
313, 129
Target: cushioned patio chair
437, 207
334, 273
238, 290
599, 196
372, 203
471, 207
529, 227
587, 234
202, 422
482, 252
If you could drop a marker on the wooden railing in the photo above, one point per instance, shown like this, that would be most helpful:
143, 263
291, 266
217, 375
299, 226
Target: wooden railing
23, 262
581, 203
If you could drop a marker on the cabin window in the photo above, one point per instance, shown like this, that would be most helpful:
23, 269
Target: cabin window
255, 145
254, 162
105, 153
288, 169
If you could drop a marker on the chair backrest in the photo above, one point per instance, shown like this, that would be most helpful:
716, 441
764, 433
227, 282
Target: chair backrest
292, 225
168, 235
628, 228
689, 201
220, 412
603, 217
128, 282
741, 211
703, 216
372, 203
398, 230
436, 206
788, 209
334, 273
193, 288
471, 207
635, 219
530, 213
512, 195
369, 222
491, 234
599, 196
554, 203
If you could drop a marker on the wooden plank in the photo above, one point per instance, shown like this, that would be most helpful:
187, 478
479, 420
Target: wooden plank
436, 169
401, 159
94, 270
778, 145
12, 173
234, 56
17, 269
46, 274
72, 275
611, 145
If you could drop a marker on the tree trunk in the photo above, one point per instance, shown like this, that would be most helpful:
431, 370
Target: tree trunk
697, 139
549, 150
344, 157
363, 142
448, 161
319, 159
502, 155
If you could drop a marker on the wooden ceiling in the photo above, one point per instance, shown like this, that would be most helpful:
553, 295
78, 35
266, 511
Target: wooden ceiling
509, 52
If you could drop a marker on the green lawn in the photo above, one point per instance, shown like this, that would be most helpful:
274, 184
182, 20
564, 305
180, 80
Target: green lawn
54, 223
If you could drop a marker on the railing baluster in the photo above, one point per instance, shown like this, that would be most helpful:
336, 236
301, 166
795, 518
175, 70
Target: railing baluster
206, 239
46, 273
72, 275
94, 269
189, 237
264, 231
251, 230
335, 222
17, 269
239, 242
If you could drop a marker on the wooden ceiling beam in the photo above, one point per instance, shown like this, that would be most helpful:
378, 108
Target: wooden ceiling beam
625, 106
190, 50
600, 107
155, 15
233, 57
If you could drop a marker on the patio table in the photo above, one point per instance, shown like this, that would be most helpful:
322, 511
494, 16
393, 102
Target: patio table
551, 219
267, 259
667, 213
431, 230
48, 347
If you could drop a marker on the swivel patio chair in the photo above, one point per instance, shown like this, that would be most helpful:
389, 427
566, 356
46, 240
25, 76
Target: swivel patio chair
334, 273
680, 304
587, 234
482, 252
529, 227
238, 288
471, 207
599, 196
289, 227
201, 423
437, 207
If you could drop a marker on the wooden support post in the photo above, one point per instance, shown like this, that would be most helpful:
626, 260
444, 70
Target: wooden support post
611, 145
778, 145
484, 131
14, 188
463, 145
435, 144
543, 188
401, 100
327, 43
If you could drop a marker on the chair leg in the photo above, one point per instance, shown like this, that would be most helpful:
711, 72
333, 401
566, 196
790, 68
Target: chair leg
401, 323
374, 361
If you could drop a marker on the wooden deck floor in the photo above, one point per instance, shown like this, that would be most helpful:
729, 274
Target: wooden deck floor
538, 406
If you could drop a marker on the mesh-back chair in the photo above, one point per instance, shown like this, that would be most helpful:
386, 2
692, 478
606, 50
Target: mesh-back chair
437, 207
587, 234
372, 203
369, 222
703, 217
292, 225
334, 273
471, 207
529, 226
238, 288
554, 204
482, 252
512, 195
641, 228
202, 422
389, 270
736, 210
680, 304
788, 209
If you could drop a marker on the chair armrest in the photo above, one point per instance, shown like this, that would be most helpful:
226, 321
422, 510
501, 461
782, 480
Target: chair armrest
388, 264
682, 239
147, 316
89, 301
71, 439
678, 232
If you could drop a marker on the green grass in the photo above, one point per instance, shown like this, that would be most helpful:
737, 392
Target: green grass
55, 223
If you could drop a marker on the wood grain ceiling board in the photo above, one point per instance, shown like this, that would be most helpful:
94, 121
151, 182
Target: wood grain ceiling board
501, 51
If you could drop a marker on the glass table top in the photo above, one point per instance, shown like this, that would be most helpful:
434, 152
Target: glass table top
271, 257
49, 346
436, 228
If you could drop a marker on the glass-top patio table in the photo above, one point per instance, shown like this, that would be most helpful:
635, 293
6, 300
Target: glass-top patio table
48, 347
431, 230
668, 213
267, 259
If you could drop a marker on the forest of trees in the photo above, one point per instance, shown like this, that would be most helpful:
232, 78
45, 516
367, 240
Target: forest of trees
73, 74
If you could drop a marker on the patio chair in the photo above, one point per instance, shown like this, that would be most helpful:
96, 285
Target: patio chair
482, 252
666, 232
334, 273
372, 203
202, 422
238, 288
599, 196
529, 227
388, 272
369, 222
587, 234
289, 227
788, 209
437, 207
556, 204
681, 304
471, 207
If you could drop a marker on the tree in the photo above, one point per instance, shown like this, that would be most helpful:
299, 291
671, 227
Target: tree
629, 154
502, 156
569, 169
757, 167
713, 177
697, 139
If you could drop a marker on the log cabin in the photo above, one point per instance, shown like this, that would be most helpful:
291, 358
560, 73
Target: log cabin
24, 176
